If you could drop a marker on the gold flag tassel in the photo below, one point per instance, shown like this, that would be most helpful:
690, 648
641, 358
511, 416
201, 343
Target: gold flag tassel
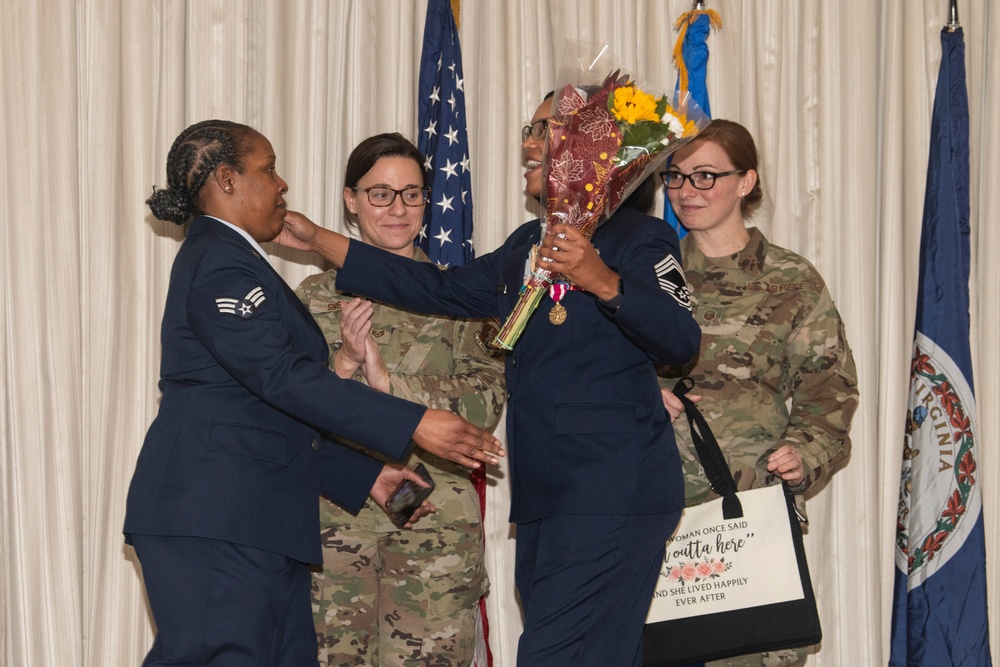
681, 26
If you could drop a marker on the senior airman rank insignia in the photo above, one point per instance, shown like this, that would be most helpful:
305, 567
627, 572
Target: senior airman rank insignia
671, 278
245, 307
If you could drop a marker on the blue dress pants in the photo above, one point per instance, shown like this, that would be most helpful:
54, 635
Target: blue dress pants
221, 604
585, 583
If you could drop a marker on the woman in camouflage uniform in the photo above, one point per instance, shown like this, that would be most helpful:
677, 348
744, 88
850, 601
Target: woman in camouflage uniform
774, 371
388, 596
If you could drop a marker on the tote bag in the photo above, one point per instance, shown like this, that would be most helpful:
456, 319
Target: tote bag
734, 578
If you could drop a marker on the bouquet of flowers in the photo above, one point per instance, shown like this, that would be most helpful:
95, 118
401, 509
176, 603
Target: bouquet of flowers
603, 142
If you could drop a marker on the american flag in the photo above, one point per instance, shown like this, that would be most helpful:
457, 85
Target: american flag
446, 236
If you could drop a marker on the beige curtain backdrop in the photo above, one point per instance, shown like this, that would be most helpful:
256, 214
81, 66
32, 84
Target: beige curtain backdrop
838, 95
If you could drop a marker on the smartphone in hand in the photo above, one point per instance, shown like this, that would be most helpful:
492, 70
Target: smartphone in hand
408, 497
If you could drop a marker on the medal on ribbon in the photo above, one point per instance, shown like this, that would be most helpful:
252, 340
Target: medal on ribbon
558, 313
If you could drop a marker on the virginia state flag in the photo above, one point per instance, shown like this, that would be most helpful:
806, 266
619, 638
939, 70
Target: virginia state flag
939, 601
446, 236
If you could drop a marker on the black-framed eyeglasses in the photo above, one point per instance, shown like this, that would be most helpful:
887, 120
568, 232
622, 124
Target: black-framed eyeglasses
536, 130
382, 196
700, 180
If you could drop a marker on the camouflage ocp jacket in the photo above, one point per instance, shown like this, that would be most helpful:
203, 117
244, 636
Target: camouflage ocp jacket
434, 361
774, 366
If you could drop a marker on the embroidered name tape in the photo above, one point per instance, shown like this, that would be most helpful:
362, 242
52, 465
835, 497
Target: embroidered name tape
671, 278
245, 307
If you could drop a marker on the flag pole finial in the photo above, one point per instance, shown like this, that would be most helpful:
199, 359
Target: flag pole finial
699, 6
953, 23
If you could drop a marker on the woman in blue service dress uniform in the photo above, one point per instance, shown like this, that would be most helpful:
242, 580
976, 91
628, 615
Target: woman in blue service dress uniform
222, 508
595, 473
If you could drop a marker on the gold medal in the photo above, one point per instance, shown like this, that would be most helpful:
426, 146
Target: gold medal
558, 314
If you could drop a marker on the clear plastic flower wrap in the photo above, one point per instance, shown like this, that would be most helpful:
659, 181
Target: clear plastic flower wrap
603, 141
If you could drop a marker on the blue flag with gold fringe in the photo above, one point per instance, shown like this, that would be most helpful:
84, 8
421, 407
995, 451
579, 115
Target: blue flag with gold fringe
691, 59
446, 236
939, 600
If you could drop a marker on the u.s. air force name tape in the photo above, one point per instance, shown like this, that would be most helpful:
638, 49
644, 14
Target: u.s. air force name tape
245, 307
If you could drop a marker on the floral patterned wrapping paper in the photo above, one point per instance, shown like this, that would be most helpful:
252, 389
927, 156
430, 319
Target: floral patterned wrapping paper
603, 142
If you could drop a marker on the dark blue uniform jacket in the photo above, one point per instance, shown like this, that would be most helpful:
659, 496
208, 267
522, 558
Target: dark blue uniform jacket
587, 432
241, 446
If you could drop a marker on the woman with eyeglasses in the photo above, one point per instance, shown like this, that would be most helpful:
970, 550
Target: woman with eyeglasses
596, 486
774, 371
389, 595
221, 509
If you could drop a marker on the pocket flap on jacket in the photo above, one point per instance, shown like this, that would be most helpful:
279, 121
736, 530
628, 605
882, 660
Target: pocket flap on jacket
249, 441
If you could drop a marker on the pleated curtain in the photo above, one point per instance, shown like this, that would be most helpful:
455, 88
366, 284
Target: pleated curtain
837, 94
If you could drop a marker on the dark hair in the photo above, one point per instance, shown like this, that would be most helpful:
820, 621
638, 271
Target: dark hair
195, 154
371, 150
738, 144
642, 197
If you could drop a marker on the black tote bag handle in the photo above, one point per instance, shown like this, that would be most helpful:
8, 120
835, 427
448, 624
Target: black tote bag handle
741, 631
709, 453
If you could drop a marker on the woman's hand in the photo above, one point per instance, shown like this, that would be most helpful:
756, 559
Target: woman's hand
565, 250
301, 233
388, 481
674, 405
298, 233
355, 325
448, 436
376, 373
786, 463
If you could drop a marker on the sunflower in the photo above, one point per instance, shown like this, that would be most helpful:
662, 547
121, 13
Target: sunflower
632, 105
